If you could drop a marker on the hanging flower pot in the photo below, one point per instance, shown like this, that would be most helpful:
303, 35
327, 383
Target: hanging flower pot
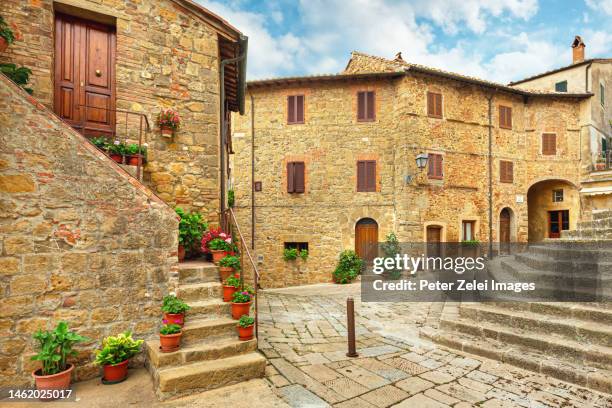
175, 318
167, 131
59, 381
217, 255
114, 373
181, 253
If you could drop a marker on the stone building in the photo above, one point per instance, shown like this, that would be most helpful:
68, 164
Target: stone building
504, 162
81, 239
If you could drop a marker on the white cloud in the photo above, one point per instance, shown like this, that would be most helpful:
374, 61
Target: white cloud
600, 5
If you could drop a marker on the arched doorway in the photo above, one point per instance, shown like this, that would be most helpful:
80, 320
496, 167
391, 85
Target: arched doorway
553, 207
505, 230
366, 239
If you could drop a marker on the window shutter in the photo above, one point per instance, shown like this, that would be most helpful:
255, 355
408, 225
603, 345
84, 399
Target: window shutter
371, 115
439, 166
435, 166
505, 117
299, 109
362, 176
291, 109
549, 144
298, 181
290, 178
509, 117
506, 171
361, 100
430, 104
371, 176
431, 165
438, 98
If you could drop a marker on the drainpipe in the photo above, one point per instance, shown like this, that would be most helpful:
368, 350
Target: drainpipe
252, 171
243, 42
490, 159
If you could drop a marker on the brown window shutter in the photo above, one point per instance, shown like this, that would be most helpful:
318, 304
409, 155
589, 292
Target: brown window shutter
371, 176
291, 109
370, 112
299, 179
299, 109
502, 117
361, 101
431, 165
430, 104
435, 166
290, 177
549, 144
361, 176
438, 111
439, 166
506, 171
509, 117
434, 104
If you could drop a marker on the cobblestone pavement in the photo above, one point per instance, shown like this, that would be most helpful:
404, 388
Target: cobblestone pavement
303, 334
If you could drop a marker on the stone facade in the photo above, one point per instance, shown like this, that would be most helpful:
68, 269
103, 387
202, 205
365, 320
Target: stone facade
166, 57
80, 240
331, 141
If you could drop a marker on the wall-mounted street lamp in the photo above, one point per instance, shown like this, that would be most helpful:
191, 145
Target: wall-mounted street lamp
421, 162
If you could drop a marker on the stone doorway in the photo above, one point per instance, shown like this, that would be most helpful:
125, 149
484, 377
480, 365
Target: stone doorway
366, 239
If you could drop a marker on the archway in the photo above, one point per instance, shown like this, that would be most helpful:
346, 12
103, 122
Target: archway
553, 206
366, 239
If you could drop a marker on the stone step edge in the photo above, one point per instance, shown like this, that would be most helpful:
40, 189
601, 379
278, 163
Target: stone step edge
599, 379
571, 310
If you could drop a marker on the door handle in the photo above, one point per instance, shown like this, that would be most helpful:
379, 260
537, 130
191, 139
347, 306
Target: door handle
98, 73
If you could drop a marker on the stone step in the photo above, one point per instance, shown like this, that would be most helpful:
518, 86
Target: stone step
561, 277
593, 312
208, 375
198, 330
548, 263
194, 292
527, 322
206, 350
579, 252
598, 215
207, 309
591, 377
198, 272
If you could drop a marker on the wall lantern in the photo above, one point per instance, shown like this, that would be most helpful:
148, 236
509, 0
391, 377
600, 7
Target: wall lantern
421, 160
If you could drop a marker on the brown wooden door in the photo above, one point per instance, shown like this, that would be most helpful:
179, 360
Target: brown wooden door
85, 74
434, 239
366, 239
504, 226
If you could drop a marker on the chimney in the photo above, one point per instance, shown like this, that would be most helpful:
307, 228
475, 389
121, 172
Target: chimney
398, 57
577, 50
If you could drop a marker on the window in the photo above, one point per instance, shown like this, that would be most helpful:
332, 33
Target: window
506, 171
561, 86
505, 117
295, 177
257, 185
434, 104
296, 245
602, 94
467, 230
366, 175
295, 109
435, 166
366, 104
549, 144
557, 196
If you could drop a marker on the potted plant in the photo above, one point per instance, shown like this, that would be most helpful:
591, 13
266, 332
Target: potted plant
230, 287
133, 153
100, 142
116, 150
168, 121
209, 236
6, 35
191, 228
246, 324
115, 355
219, 247
601, 163
170, 337
174, 310
349, 266
54, 349
228, 265
241, 304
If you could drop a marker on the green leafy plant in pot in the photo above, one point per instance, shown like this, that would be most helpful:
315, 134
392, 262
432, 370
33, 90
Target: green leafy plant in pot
115, 355
241, 303
191, 228
228, 265
219, 247
174, 310
7, 37
170, 337
230, 286
245, 327
54, 348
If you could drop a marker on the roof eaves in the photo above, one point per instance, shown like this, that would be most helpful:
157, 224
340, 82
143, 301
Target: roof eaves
321, 78
217, 22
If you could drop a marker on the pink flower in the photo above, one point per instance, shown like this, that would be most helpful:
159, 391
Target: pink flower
228, 240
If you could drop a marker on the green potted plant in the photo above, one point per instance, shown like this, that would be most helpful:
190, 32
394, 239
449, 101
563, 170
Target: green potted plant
601, 163
116, 151
246, 324
230, 286
133, 153
174, 310
6, 35
54, 348
349, 266
191, 228
228, 265
219, 247
168, 121
100, 142
170, 337
241, 303
115, 355
290, 254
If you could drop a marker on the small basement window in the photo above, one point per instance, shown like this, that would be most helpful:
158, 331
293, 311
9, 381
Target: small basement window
561, 86
297, 245
557, 196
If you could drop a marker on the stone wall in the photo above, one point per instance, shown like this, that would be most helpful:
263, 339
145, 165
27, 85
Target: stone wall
331, 140
80, 240
166, 57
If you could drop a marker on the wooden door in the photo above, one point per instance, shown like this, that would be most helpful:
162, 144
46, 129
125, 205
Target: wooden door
366, 239
85, 75
434, 240
504, 226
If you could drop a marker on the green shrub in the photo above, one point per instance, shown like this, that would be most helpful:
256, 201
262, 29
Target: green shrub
173, 305
55, 347
245, 321
391, 248
6, 32
230, 261
167, 329
20, 76
290, 254
191, 228
304, 254
349, 266
231, 198
116, 349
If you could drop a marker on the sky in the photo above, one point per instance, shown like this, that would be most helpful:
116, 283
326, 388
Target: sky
496, 40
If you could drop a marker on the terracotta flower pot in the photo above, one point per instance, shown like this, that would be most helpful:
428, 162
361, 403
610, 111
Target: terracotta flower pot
245, 333
240, 309
117, 158
217, 255
228, 293
3, 44
133, 160
181, 253
170, 342
117, 372
225, 272
166, 131
59, 381
175, 318
600, 166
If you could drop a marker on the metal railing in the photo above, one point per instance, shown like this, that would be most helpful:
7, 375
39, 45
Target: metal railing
230, 225
129, 135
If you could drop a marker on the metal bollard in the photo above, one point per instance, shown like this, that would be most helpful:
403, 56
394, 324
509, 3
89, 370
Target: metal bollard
350, 327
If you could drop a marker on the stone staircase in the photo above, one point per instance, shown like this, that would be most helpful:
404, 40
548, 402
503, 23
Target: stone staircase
568, 341
597, 229
211, 355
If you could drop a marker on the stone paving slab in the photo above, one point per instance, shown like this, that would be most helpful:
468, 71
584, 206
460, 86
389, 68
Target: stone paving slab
304, 334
